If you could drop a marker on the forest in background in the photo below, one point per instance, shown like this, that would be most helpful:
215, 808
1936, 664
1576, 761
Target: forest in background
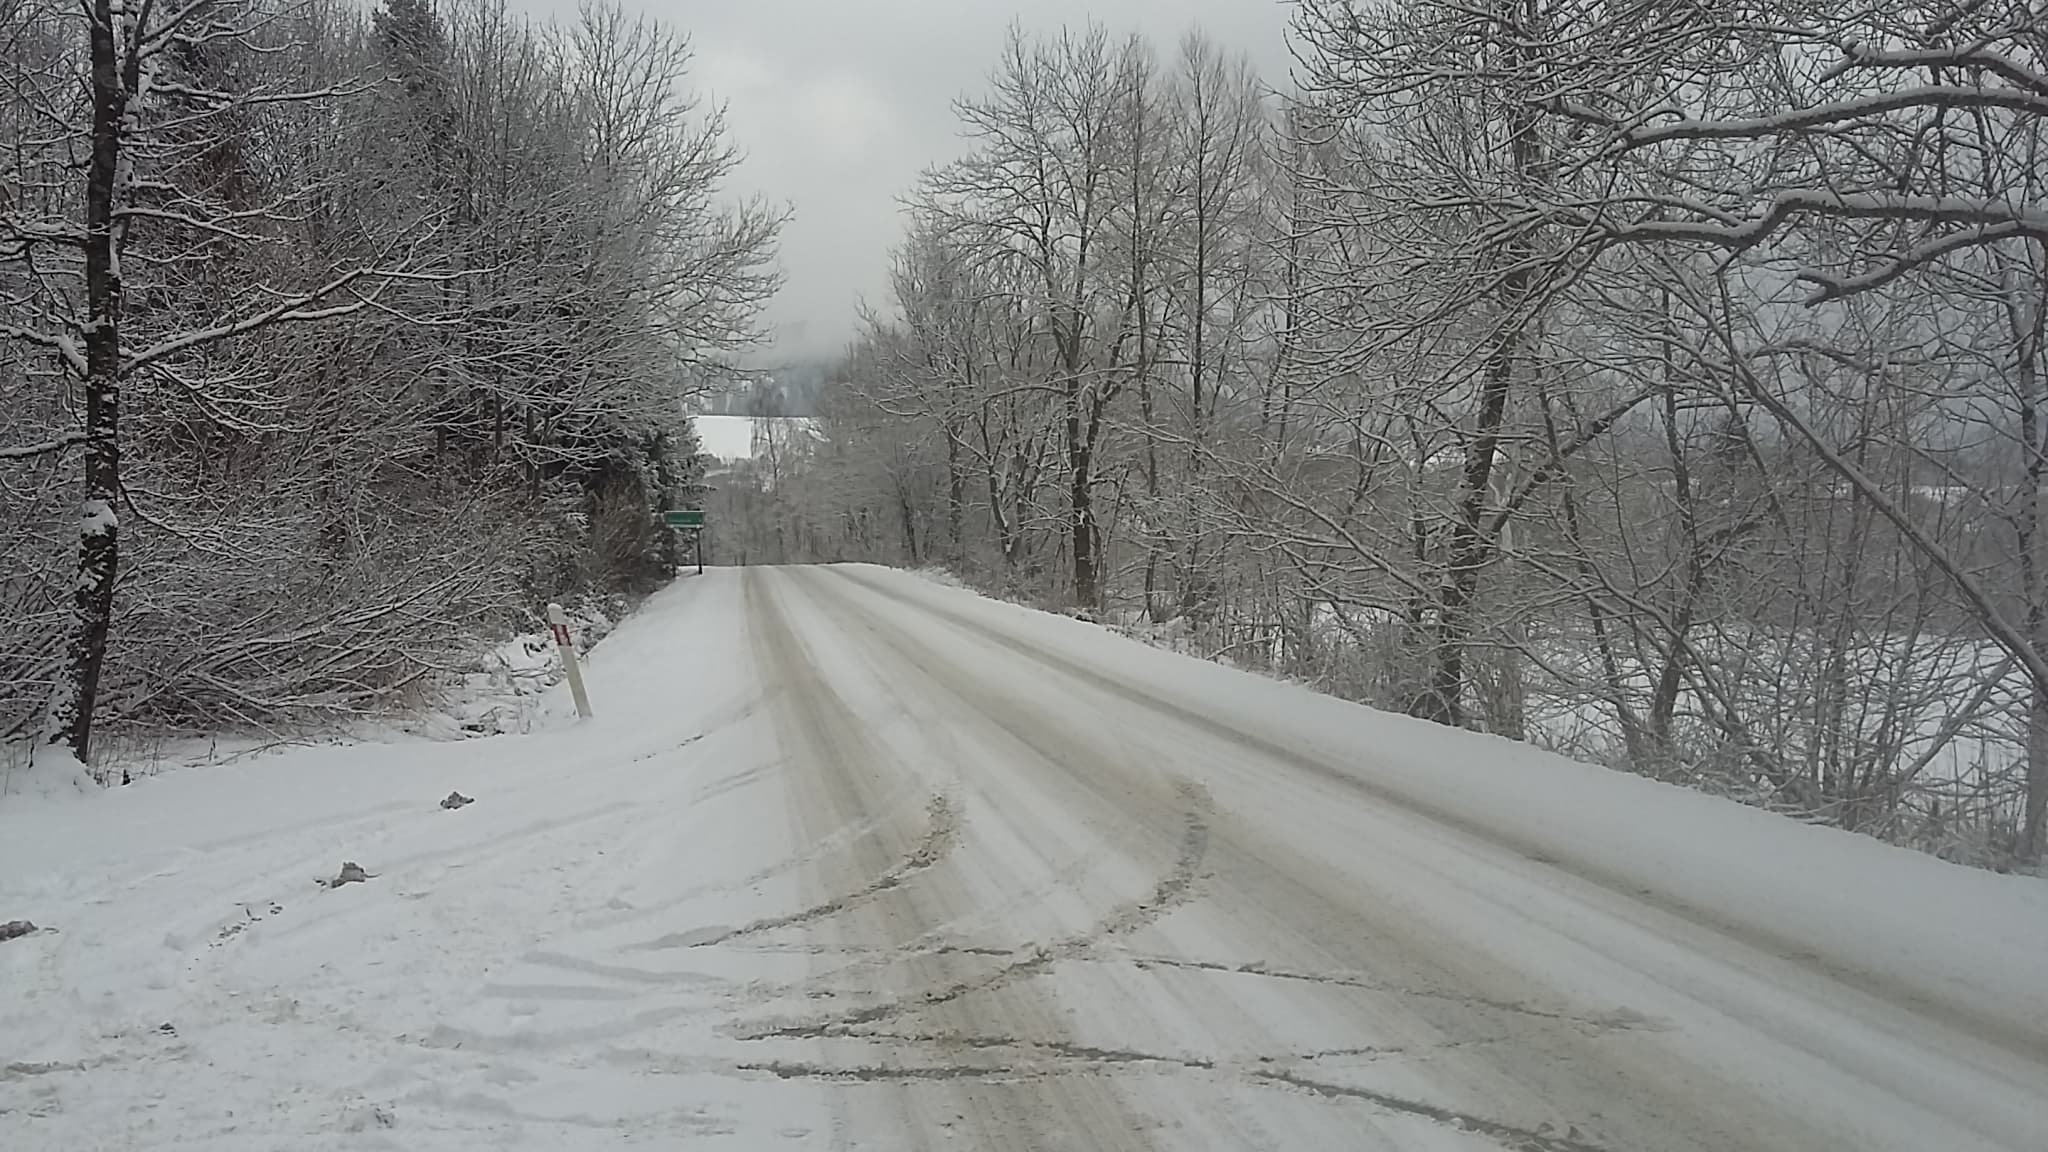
1658, 383
361, 332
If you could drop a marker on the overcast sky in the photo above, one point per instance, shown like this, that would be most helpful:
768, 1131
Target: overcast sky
840, 104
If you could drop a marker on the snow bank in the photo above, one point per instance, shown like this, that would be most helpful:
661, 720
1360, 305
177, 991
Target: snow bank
193, 986
941, 577
32, 772
507, 689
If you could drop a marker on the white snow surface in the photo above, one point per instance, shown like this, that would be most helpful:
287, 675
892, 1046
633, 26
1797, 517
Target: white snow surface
507, 688
43, 772
730, 438
725, 437
97, 518
851, 860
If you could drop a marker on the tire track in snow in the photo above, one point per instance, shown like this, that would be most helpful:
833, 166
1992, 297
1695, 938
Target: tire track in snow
714, 724
1106, 777
1619, 1020
1173, 889
941, 834
2004, 1034
840, 839
622, 973
1045, 1059
451, 1036
1539, 1139
674, 996
845, 723
1068, 747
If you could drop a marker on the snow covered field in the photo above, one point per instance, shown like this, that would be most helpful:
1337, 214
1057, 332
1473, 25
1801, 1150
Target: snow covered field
725, 437
851, 860
730, 438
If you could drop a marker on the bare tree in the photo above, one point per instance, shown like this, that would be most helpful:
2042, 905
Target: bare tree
506, 259
1659, 384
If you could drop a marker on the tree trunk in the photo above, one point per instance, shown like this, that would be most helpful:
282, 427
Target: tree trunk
956, 479
1155, 607
1194, 585
2028, 328
956, 493
1006, 539
1082, 524
1471, 546
909, 527
77, 692
1440, 702
2035, 813
1080, 457
1664, 699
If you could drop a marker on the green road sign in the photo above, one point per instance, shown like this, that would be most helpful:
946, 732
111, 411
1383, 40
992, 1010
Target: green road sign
684, 519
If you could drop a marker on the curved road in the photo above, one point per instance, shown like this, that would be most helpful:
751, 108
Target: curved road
1088, 917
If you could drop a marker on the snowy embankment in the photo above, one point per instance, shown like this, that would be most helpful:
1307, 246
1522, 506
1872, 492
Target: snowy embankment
549, 966
500, 689
193, 984
1941, 717
510, 690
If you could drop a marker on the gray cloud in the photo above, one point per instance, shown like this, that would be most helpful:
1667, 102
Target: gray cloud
840, 105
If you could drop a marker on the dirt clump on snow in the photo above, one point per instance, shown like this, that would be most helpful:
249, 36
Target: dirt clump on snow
351, 873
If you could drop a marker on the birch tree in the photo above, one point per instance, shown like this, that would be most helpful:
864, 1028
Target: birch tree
150, 119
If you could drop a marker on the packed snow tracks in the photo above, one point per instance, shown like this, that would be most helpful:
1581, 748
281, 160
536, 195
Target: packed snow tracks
1015, 910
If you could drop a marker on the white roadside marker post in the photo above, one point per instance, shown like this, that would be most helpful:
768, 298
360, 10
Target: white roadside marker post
558, 623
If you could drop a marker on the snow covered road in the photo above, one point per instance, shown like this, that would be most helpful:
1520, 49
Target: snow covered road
850, 860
